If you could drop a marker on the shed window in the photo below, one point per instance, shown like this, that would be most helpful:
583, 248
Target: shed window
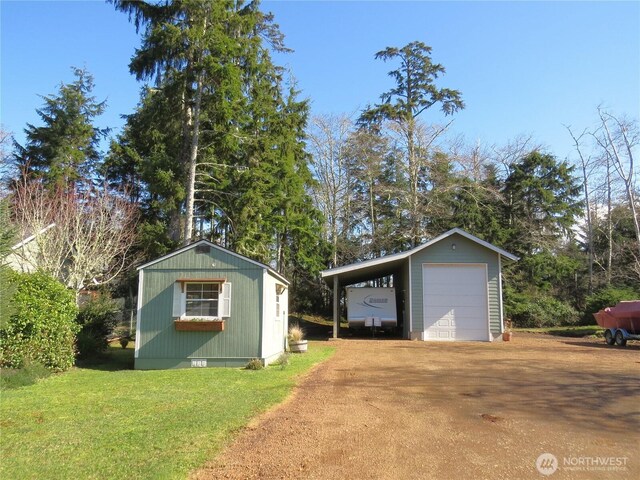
193, 299
279, 292
202, 299
278, 307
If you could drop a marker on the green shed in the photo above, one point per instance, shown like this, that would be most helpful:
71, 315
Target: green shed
449, 288
206, 306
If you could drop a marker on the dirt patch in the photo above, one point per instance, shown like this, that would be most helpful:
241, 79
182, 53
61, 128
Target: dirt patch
401, 409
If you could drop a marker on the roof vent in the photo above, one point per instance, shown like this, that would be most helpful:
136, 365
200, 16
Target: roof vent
204, 248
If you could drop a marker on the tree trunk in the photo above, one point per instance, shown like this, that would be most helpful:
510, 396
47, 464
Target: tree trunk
584, 163
413, 184
619, 166
609, 226
192, 163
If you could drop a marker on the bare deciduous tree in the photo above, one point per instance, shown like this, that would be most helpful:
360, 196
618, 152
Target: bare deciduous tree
619, 141
588, 166
421, 141
327, 143
81, 237
6, 139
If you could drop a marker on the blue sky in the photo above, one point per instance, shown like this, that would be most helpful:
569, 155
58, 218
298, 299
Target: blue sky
522, 67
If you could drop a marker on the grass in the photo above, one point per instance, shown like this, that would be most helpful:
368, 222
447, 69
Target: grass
16, 378
103, 421
573, 331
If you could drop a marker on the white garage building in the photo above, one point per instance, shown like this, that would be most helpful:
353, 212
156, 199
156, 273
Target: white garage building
449, 288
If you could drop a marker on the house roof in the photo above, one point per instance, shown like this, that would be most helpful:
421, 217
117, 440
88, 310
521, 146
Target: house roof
383, 266
218, 247
30, 238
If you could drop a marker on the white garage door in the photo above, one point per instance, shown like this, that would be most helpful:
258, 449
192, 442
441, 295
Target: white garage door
455, 302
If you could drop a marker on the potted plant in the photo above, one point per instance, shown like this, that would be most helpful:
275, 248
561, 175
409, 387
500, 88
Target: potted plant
124, 340
297, 343
506, 335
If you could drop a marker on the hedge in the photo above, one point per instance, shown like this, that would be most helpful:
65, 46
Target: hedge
42, 326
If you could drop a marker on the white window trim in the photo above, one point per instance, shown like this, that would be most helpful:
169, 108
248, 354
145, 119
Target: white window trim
278, 305
183, 300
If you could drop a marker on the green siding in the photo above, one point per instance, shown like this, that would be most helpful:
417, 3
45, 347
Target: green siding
166, 363
161, 346
406, 285
466, 251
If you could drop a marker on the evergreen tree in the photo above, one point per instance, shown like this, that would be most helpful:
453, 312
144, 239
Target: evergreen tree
64, 150
143, 160
414, 93
217, 143
198, 53
542, 202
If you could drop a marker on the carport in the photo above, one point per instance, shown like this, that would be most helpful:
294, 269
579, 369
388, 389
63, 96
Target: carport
449, 288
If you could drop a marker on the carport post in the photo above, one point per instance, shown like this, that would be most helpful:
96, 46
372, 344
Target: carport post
336, 306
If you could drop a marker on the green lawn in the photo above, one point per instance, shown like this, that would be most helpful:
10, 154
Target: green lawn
576, 331
102, 421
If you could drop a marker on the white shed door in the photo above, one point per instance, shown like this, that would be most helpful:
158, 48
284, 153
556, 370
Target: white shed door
455, 302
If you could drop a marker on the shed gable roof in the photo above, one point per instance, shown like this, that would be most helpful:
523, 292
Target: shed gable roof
217, 247
402, 255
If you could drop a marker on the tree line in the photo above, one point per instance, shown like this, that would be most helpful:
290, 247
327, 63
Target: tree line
222, 146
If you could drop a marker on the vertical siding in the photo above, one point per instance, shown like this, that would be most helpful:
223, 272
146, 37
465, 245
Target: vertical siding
160, 343
406, 289
466, 251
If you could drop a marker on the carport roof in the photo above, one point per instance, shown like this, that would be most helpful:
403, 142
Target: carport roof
389, 264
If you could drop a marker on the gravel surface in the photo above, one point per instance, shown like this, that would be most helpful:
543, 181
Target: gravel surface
393, 409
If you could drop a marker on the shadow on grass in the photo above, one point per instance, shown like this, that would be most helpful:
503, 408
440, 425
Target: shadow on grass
113, 360
316, 329
312, 330
11, 378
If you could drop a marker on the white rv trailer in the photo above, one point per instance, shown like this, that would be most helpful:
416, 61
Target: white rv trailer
372, 307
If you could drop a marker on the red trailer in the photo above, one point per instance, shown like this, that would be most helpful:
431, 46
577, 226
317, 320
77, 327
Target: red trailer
621, 323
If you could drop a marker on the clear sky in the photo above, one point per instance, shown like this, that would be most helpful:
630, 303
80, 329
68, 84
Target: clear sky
522, 67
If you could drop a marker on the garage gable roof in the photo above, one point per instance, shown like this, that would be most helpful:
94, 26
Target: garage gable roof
271, 271
473, 238
402, 255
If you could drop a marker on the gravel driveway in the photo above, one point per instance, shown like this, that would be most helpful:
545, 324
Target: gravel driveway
393, 409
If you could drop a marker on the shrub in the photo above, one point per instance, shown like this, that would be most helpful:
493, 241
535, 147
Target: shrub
254, 364
283, 360
606, 297
538, 311
97, 319
42, 327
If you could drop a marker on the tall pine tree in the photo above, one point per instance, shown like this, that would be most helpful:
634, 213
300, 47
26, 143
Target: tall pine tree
414, 92
65, 148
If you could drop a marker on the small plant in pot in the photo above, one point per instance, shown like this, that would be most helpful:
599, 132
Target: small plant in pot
506, 335
297, 343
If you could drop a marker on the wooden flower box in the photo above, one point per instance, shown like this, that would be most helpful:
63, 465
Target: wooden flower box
199, 325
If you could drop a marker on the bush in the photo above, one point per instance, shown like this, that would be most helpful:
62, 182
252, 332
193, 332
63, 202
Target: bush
254, 364
42, 327
97, 319
538, 311
283, 360
606, 297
